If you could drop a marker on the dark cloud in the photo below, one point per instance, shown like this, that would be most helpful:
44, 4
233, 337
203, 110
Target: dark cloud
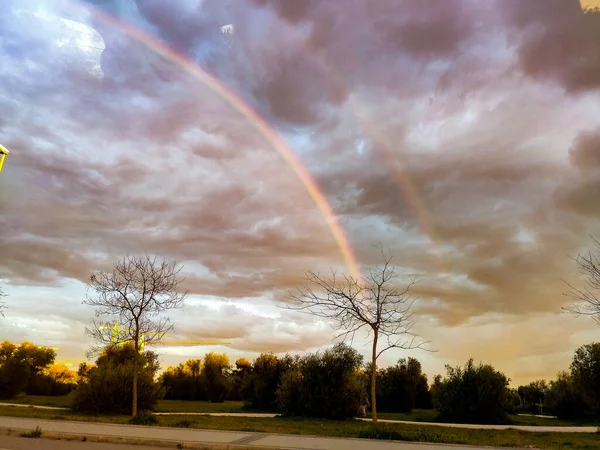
557, 41
416, 123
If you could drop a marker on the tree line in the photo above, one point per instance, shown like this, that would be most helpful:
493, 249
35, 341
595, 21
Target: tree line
335, 383
332, 384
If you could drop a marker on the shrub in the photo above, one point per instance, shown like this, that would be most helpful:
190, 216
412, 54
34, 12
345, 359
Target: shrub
108, 388
585, 373
564, 399
473, 394
324, 385
258, 387
402, 387
33, 434
144, 418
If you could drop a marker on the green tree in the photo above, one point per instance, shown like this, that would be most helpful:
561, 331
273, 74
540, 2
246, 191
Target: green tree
108, 388
402, 387
473, 394
564, 400
242, 369
585, 373
136, 294
260, 385
533, 396
324, 385
184, 382
216, 372
21, 366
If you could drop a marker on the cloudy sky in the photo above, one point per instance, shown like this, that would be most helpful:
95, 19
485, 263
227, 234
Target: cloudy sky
462, 135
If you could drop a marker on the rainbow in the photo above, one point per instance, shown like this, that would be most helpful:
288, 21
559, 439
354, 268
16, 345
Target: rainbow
384, 147
227, 94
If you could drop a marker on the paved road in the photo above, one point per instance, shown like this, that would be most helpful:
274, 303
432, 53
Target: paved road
261, 440
18, 443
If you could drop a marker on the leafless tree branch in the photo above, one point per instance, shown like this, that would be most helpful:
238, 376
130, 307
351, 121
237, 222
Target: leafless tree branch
134, 295
375, 302
585, 299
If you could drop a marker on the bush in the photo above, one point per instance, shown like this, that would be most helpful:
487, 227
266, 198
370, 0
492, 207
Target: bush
585, 372
402, 387
258, 388
324, 385
33, 434
108, 388
144, 418
475, 394
564, 399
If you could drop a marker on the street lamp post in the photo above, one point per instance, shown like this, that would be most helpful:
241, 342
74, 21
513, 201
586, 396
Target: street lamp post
3, 153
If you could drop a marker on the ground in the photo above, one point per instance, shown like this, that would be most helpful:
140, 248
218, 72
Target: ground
350, 428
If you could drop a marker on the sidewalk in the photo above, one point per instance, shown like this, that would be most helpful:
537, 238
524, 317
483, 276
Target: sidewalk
206, 439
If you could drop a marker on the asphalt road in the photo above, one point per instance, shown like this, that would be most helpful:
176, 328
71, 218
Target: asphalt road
18, 443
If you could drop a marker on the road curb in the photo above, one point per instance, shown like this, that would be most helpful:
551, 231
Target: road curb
138, 441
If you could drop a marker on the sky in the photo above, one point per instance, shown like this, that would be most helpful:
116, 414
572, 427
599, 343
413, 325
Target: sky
462, 135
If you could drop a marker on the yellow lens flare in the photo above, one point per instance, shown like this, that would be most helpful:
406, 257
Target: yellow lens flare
3, 153
163, 342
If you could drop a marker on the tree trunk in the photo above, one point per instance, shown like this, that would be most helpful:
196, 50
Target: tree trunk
374, 381
134, 404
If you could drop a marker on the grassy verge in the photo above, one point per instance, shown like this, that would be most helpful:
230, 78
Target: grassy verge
430, 415
64, 401
350, 428
59, 401
199, 407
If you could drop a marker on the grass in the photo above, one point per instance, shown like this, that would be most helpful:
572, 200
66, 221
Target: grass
349, 428
417, 415
199, 407
60, 401
430, 415
33, 434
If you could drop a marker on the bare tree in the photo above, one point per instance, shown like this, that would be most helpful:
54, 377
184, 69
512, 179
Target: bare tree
135, 294
585, 299
374, 303
2, 304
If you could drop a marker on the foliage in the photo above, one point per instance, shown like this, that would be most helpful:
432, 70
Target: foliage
585, 372
533, 396
198, 379
21, 366
33, 434
55, 380
83, 371
184, 382
473, 394
259, 387
109, 388
216, 371
144, 418
242, 369
564, 399
324, 385
513, 401
402, 387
